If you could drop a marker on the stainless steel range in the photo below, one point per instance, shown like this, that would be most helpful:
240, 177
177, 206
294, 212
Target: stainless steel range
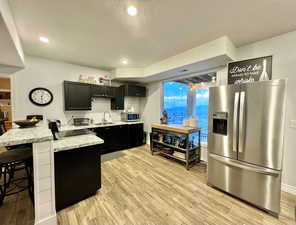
245, 142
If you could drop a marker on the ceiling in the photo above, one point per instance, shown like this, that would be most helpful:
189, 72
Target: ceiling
99, 33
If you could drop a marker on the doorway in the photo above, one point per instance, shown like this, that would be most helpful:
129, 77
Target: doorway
5, 102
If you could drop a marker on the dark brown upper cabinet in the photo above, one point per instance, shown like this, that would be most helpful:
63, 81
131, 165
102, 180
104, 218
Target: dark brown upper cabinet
77, 96
117, 103
132, 90
103, 91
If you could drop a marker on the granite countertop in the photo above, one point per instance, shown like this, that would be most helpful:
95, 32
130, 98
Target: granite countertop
72, 127
18, 136
67, 143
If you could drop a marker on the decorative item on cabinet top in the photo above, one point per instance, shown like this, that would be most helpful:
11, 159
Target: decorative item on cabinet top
98, 80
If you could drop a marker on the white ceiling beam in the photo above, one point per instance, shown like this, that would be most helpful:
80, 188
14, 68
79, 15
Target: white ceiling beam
205, 57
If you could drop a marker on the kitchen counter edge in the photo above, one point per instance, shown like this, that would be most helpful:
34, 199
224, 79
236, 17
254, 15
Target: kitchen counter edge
72, 127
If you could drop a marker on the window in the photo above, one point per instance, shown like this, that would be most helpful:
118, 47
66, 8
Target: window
175, 101
201, 111
175, 96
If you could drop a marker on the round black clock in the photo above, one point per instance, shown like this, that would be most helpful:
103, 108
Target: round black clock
41, 96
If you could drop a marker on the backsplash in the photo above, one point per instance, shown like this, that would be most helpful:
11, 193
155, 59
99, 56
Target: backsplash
101, 105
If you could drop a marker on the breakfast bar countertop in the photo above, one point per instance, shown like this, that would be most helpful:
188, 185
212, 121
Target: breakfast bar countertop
73, 142
17, 136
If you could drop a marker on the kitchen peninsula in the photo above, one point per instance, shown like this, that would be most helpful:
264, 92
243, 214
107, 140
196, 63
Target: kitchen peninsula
44, 148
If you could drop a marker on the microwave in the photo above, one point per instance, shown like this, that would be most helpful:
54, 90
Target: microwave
130, 117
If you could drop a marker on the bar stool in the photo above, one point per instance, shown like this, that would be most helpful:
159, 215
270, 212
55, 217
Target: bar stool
10, 163
2, 127
15, 160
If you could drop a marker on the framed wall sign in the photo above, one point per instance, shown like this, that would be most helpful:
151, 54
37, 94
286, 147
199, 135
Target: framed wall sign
251, 70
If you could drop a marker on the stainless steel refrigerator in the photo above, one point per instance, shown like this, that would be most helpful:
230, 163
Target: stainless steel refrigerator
245, 141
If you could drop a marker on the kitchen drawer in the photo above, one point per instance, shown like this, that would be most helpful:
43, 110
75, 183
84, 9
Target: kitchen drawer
236, 179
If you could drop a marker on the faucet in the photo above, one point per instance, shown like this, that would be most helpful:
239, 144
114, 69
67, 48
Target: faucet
104, 118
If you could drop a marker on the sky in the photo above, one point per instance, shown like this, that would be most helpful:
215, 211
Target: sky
175, 95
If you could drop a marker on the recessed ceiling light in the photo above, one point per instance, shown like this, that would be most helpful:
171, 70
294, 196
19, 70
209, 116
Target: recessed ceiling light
124, 61
132, 10
44, 40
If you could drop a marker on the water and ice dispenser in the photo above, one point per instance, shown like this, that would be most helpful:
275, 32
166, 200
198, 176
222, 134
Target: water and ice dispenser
220, 123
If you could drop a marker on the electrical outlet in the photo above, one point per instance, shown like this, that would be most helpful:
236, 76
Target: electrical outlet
293, 124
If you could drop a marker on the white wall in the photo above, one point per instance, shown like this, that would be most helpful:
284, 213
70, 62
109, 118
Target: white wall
51, 74
11, 48
151, 105
283, 50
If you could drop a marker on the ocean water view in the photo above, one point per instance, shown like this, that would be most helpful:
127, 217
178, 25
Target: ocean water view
178, 114
175, 103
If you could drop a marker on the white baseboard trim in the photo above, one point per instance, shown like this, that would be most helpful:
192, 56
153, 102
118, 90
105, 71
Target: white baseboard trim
289, 188
51, 220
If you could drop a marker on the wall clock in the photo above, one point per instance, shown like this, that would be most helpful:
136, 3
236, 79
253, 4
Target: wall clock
40, 96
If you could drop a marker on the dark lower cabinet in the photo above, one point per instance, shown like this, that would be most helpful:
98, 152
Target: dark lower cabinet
106, 133
77, 175
120, 137
136, 135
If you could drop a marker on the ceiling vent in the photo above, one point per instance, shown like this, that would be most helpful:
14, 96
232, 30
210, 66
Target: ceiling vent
183, 71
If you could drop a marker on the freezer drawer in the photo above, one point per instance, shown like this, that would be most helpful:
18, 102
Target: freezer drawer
257, 185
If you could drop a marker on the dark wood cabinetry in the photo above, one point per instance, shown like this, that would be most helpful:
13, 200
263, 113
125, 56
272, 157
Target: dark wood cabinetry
106, 134
117, 103
103, 91
132, 90
77, 175
136, 135
77, 96
120, 137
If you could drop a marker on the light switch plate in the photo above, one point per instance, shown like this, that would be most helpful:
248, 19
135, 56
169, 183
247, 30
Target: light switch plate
293, 124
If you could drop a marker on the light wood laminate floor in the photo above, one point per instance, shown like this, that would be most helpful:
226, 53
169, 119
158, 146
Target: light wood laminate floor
138, 188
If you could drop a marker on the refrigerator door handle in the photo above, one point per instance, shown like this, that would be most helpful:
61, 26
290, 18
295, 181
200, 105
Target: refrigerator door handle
241, 165
241, 122
235, 117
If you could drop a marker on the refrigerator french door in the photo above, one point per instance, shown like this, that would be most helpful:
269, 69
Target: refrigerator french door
245, 141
